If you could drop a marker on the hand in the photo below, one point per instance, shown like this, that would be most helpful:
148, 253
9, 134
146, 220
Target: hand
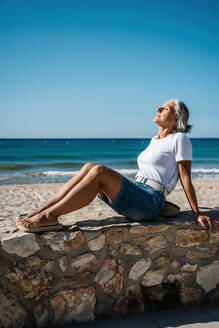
211, 225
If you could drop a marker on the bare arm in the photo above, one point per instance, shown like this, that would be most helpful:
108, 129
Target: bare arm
185, 178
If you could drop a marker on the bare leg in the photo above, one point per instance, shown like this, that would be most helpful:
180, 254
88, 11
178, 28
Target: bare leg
63, 191
99, 179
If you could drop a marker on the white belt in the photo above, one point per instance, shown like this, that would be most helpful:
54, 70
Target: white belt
156, 185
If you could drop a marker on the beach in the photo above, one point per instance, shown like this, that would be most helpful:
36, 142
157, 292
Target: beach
17, 199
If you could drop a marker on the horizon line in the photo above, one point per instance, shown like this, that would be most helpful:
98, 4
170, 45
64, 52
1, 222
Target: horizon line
53, 138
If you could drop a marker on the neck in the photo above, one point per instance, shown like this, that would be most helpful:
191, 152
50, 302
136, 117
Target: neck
163, 132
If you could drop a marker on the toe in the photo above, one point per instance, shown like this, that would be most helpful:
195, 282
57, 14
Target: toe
22, 218
25, 223
28, 224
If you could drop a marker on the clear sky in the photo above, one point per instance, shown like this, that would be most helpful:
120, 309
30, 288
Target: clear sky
88, 68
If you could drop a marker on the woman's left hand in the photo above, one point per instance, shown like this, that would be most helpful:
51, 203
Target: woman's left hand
211, 225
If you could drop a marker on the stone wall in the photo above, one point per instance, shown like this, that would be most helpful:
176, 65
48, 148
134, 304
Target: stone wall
97, 268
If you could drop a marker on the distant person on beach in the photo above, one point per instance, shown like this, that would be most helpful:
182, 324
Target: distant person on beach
167, 158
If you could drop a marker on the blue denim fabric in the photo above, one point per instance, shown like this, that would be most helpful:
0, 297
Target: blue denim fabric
136, 201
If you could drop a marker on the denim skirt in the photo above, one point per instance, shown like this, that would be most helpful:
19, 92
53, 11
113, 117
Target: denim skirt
136, 201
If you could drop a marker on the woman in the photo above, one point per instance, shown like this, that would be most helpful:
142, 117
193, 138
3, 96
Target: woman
165, 160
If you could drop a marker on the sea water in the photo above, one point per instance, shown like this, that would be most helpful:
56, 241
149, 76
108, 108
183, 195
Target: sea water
57, 160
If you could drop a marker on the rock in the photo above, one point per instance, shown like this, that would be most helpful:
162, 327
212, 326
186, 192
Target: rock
12, 314
189, 237
117, 228
132, 302
49, 266
214, 238
200, 253
73, 305
111, 275
30, 277
129, 249
97, 243
90, 235
63, 263
2, 262
187, 267
153, 278
104, 307
112, 251
178, 277
149, 229
74, 277
53, 240
74, 240
156, 293
41, 315
182, 222
175, 264
85, 262
214, 296
137, 239
162, 260
158, 242
139, 268
115, 237
22, 245
63, 241
208, 276
190, 295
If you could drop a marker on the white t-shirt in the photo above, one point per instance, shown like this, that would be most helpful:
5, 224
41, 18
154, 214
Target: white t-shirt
158, 161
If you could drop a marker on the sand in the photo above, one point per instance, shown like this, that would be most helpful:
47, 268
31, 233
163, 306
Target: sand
17, 199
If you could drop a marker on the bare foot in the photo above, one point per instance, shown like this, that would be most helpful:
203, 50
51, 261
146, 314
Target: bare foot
33, 213
38, 220
37, 211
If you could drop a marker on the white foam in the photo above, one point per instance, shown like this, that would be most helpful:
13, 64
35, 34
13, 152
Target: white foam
59, 172
204, 170
198, 173
127, 171
123, 171
4, 178
63, 173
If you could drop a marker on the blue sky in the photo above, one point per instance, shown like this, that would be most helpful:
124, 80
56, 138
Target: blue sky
80, 69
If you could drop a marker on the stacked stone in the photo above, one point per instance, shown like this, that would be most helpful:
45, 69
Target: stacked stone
78, 274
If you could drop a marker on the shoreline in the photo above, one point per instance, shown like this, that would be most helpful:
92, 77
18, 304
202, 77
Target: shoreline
62, 183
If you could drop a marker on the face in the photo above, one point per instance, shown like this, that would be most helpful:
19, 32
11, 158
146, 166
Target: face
166, 116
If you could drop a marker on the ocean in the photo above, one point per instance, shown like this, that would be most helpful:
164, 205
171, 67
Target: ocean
57, 160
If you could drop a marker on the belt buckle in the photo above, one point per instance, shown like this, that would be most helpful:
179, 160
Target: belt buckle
143, 180
139, 179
